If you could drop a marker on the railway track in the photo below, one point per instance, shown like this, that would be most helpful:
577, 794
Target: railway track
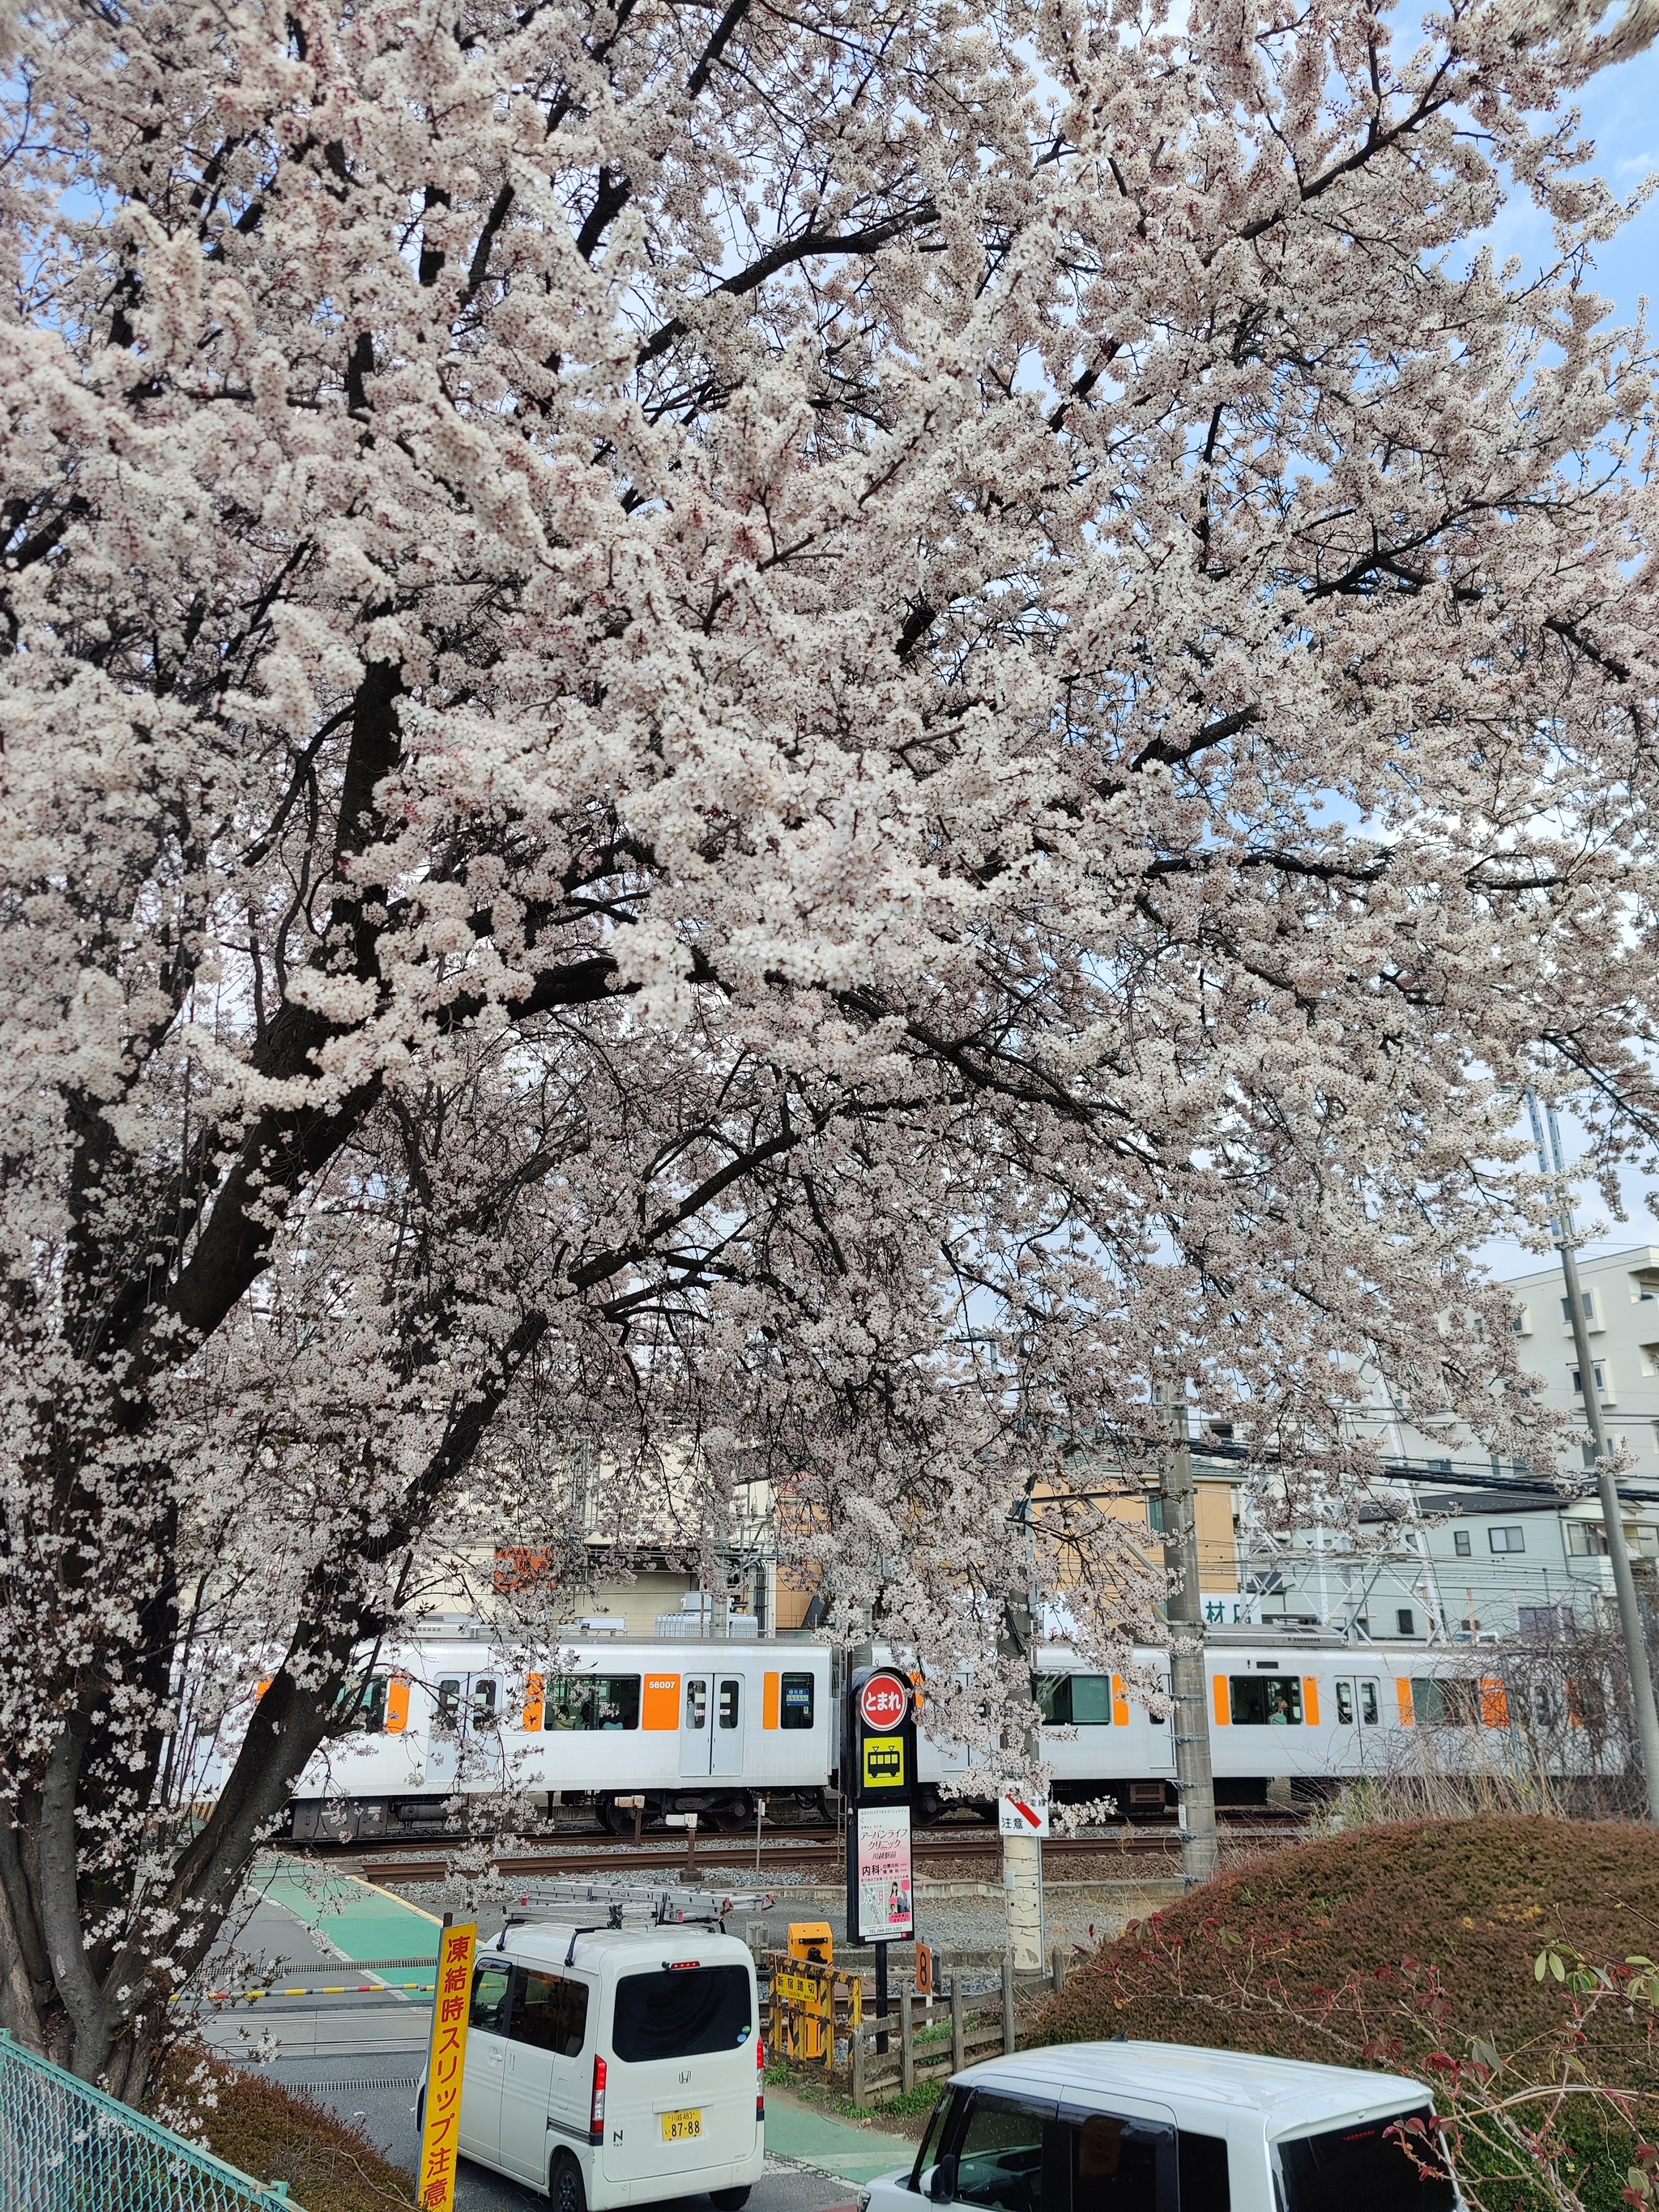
813, 1850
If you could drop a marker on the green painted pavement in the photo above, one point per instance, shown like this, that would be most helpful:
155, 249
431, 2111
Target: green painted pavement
834, 2146
360, 1921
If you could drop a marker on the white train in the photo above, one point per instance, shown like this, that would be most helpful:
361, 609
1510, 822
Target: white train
708, 1727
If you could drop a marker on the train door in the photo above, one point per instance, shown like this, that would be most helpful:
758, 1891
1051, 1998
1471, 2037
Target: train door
467, 1724
695, 1697
726, 1742
1358, 1702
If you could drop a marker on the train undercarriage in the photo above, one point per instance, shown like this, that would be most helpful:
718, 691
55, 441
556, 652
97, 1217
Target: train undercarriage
732, 1812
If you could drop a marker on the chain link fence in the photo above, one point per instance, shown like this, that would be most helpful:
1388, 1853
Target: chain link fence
67, 2147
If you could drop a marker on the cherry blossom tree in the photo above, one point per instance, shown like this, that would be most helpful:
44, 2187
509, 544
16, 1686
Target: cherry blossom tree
856, 731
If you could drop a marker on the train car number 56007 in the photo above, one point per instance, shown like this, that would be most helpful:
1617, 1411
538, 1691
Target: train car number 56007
680, 2127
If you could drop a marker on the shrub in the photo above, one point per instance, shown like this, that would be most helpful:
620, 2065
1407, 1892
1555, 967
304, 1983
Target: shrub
1417, 1949
277, 2134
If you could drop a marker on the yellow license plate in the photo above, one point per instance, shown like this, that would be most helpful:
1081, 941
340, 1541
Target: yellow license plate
680, 2127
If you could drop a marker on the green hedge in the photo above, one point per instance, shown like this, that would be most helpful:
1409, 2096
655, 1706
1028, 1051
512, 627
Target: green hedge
1444, 1917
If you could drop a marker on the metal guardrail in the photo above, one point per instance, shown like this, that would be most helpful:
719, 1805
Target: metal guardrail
66, 2147
375, 1989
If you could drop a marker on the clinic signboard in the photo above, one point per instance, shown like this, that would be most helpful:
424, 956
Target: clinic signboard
881, 1848
879, 1780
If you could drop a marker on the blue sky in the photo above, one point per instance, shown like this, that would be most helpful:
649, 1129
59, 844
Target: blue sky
1620, 110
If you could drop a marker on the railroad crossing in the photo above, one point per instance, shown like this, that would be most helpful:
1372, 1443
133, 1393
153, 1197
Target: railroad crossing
343, 2011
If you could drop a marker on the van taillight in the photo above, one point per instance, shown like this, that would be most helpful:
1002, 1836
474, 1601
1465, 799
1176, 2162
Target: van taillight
760, 2078
596, 2111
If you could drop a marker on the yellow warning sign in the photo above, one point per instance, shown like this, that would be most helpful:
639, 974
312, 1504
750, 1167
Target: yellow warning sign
884, 1762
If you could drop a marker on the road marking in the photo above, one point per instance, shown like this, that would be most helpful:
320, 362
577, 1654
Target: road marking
436, 1918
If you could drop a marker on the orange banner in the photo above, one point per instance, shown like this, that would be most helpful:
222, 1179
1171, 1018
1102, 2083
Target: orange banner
445, 2069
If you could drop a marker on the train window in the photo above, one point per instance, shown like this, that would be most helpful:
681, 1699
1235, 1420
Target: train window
795, 1709
1266, 1700
449, 1704
696, 1702
549, 2012
1092, 1700
602, 1701
491, 1983
1345, 1707
730, 1693
364, 1702
1076, 1700
1368, 1704
1440, 1701
483, 1701
616, 1701
567, 1702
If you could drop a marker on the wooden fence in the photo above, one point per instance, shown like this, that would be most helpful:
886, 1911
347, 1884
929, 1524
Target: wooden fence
924, 2046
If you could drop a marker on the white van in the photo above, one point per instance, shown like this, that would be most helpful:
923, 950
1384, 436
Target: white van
1164, 2127
616, 2067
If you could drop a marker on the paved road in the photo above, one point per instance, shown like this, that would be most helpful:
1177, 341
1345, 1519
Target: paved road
362, 2056
386, 2116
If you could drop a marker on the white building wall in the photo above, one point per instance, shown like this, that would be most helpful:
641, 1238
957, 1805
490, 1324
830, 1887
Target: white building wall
1502, 1565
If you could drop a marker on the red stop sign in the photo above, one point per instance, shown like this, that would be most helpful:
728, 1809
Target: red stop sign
883, 1702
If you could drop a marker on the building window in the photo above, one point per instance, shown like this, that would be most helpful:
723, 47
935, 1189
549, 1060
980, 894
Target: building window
1460, 1543
1507, 1540
1598, 1368
1588, 1300
1407, 1621
1586, 1539
1539, 1623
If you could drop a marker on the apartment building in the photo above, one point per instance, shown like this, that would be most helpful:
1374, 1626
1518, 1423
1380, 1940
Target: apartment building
1477, 1546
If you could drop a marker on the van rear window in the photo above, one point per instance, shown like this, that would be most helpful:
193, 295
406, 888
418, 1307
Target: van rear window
1362, 2168
680, 2012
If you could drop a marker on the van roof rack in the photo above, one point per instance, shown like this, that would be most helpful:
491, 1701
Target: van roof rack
643, 1903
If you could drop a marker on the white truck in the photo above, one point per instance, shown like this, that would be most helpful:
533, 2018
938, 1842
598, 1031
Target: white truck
1164, 2127
616, 2066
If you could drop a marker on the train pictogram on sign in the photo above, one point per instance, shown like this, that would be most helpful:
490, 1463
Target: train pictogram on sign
884, 1762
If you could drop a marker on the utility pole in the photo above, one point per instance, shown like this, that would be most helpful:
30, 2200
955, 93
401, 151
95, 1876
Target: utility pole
1624, 1579
1021, 1855
1184, 1611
